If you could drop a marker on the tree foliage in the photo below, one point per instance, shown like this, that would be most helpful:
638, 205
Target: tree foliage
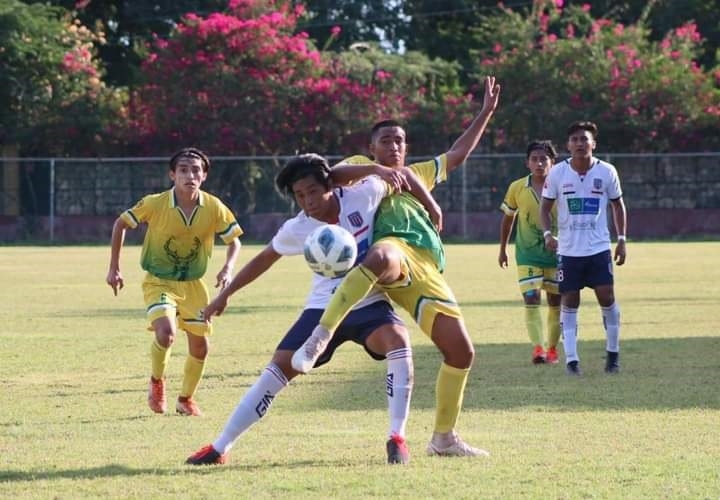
52, 96
561, 64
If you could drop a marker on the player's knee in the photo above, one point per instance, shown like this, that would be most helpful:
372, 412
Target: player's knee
384, 262
531, 297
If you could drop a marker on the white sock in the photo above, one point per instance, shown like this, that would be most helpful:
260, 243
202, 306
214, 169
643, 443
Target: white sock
568, 328
252, 407
611, 321
399, 382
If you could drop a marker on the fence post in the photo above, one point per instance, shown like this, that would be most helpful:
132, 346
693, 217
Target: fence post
52, 200
463, 205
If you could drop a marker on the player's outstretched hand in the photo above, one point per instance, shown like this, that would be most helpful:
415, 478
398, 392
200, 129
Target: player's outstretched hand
395, 177
215, 307
436, 215
115, 280
620, 253
492, 94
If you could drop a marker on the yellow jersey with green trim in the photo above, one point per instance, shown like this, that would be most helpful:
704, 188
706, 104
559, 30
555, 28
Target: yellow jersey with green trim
401, 215
177, 247
522, 202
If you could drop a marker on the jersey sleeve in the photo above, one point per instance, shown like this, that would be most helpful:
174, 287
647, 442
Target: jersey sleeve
614, 189
287, 240
226, 226
509, 205
139, 213
431, 172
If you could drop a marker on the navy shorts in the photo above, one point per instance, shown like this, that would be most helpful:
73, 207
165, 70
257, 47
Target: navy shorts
356, 327
575, 273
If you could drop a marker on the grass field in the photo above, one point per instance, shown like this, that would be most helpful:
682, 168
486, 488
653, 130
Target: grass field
74, 367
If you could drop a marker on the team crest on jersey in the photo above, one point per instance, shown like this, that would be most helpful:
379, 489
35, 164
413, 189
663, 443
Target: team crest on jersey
355, 219
597, 183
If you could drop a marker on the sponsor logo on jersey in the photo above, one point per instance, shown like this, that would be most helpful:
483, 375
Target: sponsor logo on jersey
583, 206
356, 219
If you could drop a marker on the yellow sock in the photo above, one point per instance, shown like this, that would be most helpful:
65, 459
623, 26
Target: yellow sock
533, 323
356, 285
553, 321
194, 369
449, 393
159, 357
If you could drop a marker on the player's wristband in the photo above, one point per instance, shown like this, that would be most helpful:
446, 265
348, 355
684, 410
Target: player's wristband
621, 237
547, 233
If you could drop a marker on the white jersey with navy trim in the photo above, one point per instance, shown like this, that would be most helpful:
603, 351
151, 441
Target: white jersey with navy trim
358, 204
582, 202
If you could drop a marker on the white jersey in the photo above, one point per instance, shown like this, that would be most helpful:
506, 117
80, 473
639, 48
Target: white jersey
582, 203
358, 204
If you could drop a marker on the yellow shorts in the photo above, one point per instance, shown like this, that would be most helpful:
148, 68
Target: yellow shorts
537, 278
423, 291
183, 300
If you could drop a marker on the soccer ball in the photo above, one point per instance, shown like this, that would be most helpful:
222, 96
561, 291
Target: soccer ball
330, 251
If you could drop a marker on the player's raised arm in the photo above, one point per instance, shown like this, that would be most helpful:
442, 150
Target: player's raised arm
247, 274
468, 141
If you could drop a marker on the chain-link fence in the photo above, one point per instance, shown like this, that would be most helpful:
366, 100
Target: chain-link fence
39, 191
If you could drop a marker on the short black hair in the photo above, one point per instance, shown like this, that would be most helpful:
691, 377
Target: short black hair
544, 145
383, 124
190, 153
302, 166
583, 125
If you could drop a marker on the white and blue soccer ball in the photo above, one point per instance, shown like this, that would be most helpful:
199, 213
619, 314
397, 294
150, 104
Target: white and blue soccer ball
330, 251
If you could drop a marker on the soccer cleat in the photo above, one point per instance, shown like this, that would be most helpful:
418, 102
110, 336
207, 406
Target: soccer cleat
612, 363
456, 448
397, 450
551, 356
156, 395
538, 356
305, 358
207, 455
187, 407
573, 369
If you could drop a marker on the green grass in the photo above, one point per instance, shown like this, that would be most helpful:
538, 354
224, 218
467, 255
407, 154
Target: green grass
74, 368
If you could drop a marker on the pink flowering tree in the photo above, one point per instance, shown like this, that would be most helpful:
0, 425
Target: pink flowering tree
559, 65
245, 83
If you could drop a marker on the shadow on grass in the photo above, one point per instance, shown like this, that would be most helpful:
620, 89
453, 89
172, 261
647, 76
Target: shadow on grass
116, 470
138, 311
657, 374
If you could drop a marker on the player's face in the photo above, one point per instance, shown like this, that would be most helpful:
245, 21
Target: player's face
389, 147
539, 162
314, 199
188, 175
581, 144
